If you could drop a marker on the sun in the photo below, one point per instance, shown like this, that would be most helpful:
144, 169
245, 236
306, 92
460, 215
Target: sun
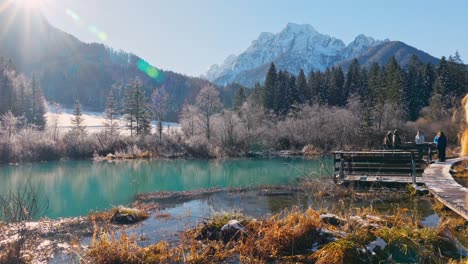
30, 4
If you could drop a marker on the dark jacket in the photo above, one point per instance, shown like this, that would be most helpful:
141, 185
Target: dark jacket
442, 141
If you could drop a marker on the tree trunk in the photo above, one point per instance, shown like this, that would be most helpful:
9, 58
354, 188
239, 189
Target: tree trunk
160, 128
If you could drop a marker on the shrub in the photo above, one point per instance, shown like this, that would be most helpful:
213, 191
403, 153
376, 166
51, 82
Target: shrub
78, 145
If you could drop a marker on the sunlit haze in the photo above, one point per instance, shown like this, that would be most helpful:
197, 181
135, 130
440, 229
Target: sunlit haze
190, 36
33, 4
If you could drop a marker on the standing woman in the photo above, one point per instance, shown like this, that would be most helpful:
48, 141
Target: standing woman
388, 140
419, 138
441, 142
396, 140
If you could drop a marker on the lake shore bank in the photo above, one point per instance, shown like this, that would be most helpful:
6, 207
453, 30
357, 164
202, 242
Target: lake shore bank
173, 215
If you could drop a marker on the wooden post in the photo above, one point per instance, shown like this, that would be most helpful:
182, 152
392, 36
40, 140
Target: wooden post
429, 155
413, 169
342, 168
350, 167
334, 166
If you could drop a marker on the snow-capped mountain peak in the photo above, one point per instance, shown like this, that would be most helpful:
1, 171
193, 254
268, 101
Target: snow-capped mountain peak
359, 45
299, 28
297, 46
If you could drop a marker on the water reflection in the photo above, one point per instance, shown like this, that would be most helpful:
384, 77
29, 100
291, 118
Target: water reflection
76, 187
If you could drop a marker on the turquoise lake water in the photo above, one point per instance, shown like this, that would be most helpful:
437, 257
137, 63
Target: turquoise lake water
75, 188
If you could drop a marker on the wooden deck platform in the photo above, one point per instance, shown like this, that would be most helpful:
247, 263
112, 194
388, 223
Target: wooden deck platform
397, 168
379, 181
378, 168
445, 189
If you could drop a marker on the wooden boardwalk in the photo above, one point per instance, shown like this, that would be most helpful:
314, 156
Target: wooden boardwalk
396, 168
440, 183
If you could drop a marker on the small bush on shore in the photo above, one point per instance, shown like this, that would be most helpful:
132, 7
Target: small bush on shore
107, 216
106, 249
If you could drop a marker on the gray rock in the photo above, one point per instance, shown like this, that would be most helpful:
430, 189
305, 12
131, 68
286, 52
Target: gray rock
332, 219
124, 219
233, 230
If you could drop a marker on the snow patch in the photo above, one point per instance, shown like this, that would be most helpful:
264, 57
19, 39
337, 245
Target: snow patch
234, 224
378, 242
315, 247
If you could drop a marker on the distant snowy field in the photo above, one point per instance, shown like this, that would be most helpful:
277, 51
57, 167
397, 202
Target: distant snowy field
94, 121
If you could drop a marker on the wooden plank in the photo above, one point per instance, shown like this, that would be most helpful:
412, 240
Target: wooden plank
377, 166
381, 160
394, 176
381, 178
371, 152
380, 172
375, 153
376, 163
445, 189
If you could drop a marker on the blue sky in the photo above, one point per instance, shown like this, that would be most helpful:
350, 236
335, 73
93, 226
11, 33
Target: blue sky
188, 36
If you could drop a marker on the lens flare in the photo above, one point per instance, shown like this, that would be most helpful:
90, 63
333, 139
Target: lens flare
93, 29
102, 36
151, 71
72, 14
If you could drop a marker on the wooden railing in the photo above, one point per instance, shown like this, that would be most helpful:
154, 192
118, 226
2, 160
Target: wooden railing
378, 163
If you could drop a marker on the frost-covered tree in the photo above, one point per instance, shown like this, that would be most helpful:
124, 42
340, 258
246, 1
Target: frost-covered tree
159, 106
208, 103
21, 95
37, 105
56, 109
10, 124
78, 126
111, 124
136, 109
189, 120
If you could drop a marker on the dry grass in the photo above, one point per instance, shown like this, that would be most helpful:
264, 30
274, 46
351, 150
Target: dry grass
325, 187
291, 236
106, 216
458, 261
287, 234
100, 216
341, 251
142, 215
107, 249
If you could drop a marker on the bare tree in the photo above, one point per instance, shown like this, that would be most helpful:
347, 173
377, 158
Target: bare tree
10, 123
226, 123
251, 117
19, 206
159, 106
189, 119
208, 103
111, 123
57, 109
